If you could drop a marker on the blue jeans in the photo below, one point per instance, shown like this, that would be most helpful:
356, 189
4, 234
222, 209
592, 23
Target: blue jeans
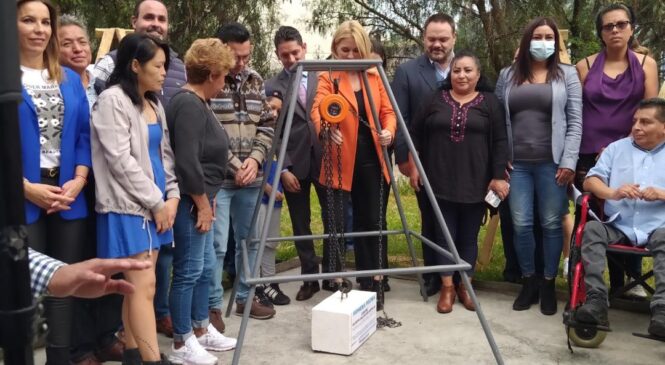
193, 264
163, 281
238, 205
526, 179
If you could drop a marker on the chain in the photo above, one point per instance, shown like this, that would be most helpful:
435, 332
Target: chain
335, 216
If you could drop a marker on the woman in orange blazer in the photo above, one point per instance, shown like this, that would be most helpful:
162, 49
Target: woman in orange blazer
363, 169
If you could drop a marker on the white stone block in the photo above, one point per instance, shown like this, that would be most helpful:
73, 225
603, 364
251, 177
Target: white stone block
341, 326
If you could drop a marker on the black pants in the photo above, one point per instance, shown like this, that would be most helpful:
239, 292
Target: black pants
300, 212
367, 205
463, 222
98, 319
66, 241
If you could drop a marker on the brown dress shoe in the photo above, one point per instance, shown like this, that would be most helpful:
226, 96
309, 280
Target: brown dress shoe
464, 298
307, 290
165, 326
446, 299
215, 316
111, 352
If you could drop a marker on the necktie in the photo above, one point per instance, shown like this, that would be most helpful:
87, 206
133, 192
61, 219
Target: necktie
302, 91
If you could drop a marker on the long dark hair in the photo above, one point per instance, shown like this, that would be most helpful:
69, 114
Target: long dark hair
522, 71
483, 84
141, 47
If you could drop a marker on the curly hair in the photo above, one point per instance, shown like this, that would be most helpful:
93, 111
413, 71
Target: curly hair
205, 57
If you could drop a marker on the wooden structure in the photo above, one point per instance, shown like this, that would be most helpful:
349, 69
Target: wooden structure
110, 37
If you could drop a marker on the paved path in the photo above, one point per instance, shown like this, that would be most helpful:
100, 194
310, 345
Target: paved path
427, 337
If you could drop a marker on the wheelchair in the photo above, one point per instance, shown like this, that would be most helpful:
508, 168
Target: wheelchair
582, 334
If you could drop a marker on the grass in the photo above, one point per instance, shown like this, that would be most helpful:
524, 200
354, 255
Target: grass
398, 250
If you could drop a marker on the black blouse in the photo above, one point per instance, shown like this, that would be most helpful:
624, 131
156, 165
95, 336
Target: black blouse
199, 142
461, 147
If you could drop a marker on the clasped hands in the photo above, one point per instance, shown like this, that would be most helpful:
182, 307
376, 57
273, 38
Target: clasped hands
633, 191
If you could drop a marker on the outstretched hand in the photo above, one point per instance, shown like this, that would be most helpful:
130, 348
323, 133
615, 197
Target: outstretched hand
92, 278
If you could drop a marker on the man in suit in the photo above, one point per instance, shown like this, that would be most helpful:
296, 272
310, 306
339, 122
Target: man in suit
413, 81
302, 153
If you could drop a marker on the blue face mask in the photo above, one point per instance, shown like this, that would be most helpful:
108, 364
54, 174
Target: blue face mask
542, 50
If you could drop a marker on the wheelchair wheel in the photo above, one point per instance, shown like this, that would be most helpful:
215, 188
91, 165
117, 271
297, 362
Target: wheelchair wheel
586, 337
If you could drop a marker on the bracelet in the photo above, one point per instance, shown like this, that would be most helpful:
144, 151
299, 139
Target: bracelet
85, 181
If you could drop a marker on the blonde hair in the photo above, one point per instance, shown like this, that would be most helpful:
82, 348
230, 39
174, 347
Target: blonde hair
353, 29
205, 57
51, 55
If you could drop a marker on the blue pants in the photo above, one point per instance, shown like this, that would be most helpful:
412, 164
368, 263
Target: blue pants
529, 180
238, 205
193, 264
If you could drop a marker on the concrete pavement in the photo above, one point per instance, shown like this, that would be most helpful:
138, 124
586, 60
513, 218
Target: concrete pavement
427, 337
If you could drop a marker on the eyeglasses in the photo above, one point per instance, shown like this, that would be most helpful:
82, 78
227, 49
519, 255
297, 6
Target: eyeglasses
619, 25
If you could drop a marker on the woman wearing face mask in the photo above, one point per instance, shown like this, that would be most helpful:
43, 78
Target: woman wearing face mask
614, 81
543, 103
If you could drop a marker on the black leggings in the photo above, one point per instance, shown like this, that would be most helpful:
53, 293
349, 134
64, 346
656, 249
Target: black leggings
366, 202
463, 222
64, 240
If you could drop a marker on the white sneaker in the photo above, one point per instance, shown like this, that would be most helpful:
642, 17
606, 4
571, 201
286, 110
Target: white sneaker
192, 354
215, 341
636, 291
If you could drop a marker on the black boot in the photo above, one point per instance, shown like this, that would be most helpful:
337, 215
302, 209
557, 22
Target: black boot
657, 323
547, 297
377, 287
131, 357
594, 310
528, 295
162, 361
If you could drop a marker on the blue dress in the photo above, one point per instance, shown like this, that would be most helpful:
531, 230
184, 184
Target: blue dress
124, 235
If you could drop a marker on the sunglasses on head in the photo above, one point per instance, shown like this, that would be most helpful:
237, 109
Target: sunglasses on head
619, 25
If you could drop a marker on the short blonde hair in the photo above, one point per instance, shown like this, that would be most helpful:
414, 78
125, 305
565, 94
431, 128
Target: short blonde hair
353, 29
205, 57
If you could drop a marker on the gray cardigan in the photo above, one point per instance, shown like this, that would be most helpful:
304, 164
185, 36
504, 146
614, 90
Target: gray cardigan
566, 114
124, 182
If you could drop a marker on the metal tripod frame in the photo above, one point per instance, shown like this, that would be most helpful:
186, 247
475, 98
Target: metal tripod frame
285, 122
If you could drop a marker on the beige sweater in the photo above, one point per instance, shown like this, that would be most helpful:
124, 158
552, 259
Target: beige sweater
124, 182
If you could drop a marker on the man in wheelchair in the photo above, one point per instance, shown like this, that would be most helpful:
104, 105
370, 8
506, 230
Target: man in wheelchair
630, 177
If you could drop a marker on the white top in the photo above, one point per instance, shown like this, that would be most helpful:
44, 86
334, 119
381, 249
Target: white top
50, 109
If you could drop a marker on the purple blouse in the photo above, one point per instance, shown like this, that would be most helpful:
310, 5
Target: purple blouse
609, 104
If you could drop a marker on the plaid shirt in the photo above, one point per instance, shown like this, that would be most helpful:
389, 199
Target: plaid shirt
42, 268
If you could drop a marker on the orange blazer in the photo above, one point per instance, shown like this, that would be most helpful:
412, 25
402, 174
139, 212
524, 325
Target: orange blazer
349, 126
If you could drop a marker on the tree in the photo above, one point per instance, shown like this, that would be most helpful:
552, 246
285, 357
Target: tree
189, 20
490, 28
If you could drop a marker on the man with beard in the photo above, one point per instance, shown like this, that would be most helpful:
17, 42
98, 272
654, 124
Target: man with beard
413, 81
151, 17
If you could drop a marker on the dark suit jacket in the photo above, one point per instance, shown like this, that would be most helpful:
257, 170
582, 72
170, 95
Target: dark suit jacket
414, 81
303, 153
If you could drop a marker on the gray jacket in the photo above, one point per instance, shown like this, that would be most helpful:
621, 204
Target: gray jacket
566, 114
124, 181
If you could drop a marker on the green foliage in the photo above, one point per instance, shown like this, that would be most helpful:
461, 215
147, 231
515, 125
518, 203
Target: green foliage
490, 28
189, 20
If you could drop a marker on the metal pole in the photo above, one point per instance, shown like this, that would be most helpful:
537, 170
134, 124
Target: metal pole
442, 224
460, 265
393, 182
271, 204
